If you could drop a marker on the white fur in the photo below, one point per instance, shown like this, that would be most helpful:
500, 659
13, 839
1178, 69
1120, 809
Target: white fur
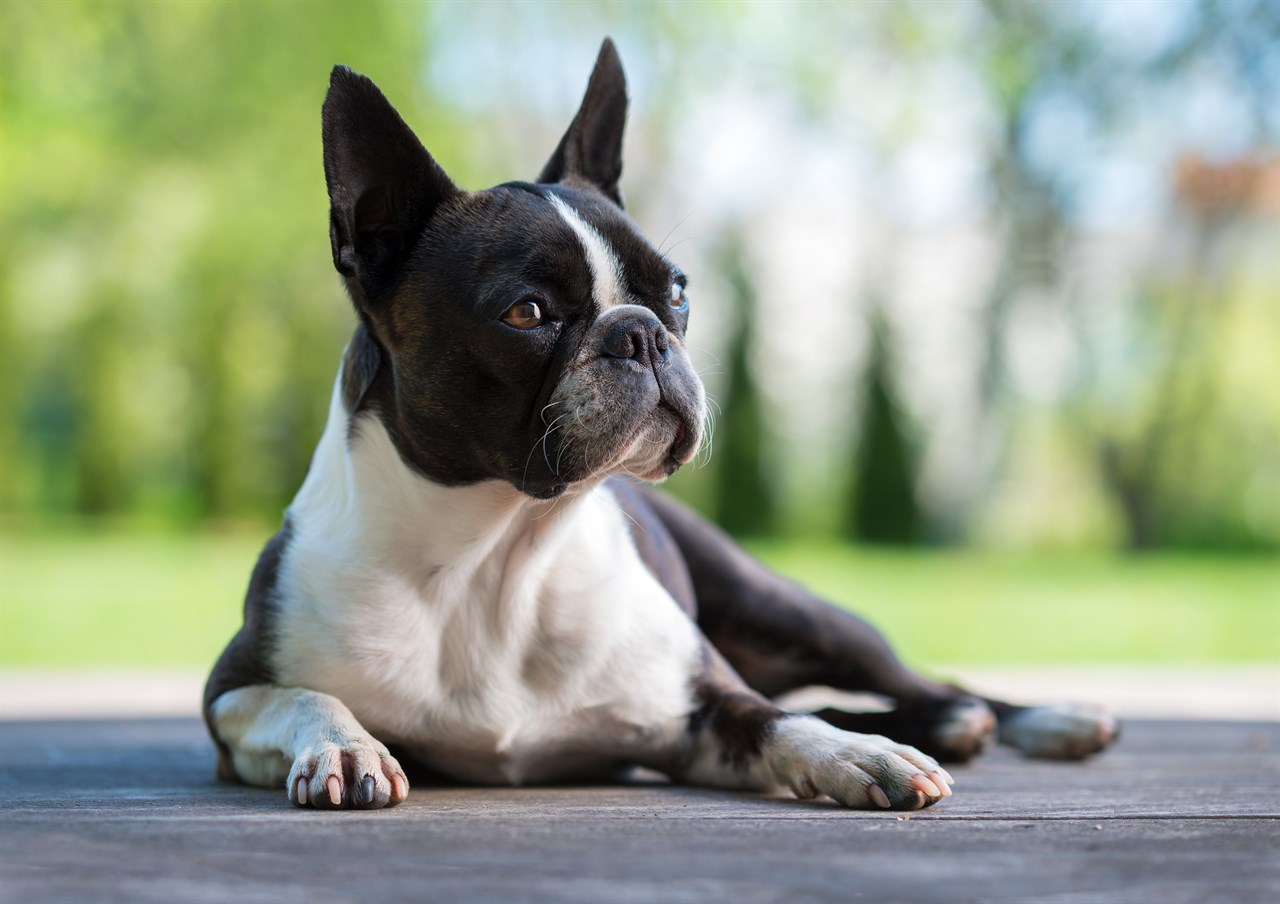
501, 638
1059, 731
810, 757
606, 271
279, 732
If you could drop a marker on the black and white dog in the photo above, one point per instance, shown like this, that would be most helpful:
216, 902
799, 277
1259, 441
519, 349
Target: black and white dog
463, 576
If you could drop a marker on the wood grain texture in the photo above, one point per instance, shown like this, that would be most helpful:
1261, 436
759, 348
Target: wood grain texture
128, 811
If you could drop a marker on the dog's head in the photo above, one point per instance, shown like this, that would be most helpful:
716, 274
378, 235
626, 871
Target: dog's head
527, 333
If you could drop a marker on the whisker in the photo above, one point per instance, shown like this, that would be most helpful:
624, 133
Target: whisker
674, 228
554, 425
524, 476
704, 350
682, 241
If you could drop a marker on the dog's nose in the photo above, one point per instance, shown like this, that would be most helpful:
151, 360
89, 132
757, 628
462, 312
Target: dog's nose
642, 339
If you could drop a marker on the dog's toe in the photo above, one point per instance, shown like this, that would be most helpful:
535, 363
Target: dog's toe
1064, 731
965, 730
902, 778
857, 770
359, 774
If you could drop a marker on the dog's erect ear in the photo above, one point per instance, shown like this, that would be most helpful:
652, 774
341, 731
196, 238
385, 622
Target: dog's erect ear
592, 148
383, 185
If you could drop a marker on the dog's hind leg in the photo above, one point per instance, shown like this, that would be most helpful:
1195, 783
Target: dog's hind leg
958, 728
307, 742
738, 739
779, 637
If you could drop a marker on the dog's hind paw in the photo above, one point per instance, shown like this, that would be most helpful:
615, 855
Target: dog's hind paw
857, 770
964, 730
359, 773
1061, 731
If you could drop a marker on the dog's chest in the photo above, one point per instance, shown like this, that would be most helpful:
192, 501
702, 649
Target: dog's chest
541, 652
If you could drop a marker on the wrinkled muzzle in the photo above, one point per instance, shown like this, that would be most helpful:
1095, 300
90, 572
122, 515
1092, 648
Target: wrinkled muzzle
629, 402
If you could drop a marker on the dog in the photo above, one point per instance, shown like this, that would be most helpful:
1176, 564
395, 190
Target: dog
464, 575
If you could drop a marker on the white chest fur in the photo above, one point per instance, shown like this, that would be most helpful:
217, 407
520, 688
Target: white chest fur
501, 638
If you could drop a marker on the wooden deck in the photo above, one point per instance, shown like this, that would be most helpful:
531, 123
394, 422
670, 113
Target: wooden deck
127, 810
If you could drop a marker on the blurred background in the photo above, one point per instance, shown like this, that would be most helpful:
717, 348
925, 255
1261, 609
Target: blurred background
987, 294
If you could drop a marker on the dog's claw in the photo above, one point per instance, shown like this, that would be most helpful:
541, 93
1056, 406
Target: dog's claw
359, 773
926, 787
857, 770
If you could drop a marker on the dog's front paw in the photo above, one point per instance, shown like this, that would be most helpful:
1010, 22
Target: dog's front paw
1062, 731
356, 773
857, 770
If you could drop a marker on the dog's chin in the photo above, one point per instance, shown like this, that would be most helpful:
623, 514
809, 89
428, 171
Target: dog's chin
663, 444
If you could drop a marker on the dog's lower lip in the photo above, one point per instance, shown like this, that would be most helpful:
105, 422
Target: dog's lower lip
678, 454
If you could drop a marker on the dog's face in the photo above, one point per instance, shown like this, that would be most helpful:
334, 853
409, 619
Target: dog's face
528, 333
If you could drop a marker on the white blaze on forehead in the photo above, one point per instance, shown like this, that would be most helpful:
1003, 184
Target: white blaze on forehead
606, 271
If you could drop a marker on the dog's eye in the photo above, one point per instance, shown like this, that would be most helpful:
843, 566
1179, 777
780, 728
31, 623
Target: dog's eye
678, 299
523, 315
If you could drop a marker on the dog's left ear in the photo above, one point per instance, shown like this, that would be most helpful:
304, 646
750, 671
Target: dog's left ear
592, 148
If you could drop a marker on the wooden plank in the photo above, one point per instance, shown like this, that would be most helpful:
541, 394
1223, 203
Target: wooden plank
128, 811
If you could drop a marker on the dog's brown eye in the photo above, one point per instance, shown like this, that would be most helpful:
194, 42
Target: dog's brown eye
524, 315
678, 299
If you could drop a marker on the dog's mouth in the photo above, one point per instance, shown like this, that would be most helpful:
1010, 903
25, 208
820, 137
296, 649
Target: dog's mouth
684, 446
614, 419
679, 454
662, 447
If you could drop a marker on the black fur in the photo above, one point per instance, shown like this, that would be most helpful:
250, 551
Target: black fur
464, 396
247, 659
591, 149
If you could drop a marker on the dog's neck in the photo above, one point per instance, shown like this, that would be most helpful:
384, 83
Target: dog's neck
359, 486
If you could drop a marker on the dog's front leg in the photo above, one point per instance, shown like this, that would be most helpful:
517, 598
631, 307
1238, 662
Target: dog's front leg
738, 739
309, 741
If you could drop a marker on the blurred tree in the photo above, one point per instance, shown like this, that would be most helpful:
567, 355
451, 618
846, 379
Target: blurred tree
746, 501
1190, 300
165, 290
882, 506
1047, 50
1024, 46
170, 322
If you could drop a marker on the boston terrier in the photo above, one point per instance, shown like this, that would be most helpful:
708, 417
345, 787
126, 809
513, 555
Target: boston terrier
467, 575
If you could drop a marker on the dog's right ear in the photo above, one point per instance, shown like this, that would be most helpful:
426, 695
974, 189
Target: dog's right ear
383, 185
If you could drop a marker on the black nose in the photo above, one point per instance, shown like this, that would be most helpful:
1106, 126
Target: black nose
642, 339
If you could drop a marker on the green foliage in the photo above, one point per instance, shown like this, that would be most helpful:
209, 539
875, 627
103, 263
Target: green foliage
170, 322
169, 319
882, 503
746, 503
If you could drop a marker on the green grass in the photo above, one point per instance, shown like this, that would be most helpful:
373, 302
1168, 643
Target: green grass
121, 599
1007, 608
154, 600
